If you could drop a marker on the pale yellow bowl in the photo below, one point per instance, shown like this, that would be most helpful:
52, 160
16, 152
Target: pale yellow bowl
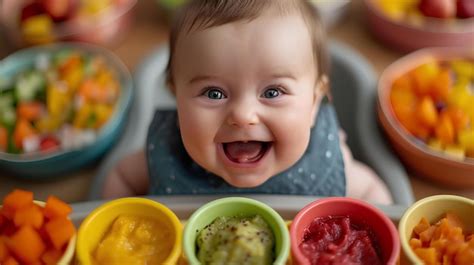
66, 259
433, 208
97, 223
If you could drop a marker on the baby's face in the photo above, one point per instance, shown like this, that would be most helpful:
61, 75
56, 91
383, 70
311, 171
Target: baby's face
246, 96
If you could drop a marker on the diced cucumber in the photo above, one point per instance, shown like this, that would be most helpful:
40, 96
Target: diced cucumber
8, 117
29, 85
5, 83
89, 68
12, 147
6, 100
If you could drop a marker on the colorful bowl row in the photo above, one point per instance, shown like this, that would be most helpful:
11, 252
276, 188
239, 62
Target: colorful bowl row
97, 223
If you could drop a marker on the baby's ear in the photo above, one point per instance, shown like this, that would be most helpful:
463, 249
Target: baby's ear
320, 89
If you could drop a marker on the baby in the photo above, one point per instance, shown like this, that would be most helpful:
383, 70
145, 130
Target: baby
250, 81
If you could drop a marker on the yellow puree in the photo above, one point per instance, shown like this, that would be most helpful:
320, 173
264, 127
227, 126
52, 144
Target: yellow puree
135, 240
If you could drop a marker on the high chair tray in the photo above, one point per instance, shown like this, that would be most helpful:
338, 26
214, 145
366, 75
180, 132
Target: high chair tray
353, 86
184, 205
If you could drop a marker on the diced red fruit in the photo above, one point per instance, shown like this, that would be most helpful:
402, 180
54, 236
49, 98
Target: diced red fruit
3, 139
27, 236
60, 230
60, 10
438, 8
464, 8
30, 10
55, 207
49, 143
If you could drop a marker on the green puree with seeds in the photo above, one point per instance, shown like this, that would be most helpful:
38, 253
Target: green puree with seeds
236, 240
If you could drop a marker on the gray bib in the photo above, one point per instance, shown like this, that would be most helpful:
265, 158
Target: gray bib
319, 172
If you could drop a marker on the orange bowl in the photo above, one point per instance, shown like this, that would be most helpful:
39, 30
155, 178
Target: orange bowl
411, 34
430, 164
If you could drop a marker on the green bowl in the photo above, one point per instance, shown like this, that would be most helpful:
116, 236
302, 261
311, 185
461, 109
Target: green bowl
433, 208
233, 206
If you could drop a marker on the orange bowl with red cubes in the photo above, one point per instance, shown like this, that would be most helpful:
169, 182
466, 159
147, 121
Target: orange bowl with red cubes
426, 107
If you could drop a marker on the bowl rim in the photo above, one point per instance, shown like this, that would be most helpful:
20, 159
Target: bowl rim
433, 25
346, 200
401, 66
409, 211
64, 29
81, 250
281, 225
121, 107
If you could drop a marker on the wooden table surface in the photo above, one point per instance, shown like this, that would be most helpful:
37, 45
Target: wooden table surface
149, 31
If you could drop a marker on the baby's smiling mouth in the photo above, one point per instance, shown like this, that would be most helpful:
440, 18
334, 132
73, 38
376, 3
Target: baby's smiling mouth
246, 152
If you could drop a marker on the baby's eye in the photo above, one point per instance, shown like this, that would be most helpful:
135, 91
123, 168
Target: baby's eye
272, 93
214, 93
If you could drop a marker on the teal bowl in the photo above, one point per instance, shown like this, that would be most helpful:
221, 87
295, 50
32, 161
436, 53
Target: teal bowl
39, 166
236, 206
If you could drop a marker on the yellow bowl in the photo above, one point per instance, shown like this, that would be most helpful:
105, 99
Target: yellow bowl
433, 208
97, 223
66, 259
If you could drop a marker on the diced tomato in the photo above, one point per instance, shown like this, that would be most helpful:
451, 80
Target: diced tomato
49, 143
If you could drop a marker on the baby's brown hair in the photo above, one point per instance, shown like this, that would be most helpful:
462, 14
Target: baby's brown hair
203, 14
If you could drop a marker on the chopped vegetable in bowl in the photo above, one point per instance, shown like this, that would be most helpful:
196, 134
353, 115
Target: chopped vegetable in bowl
58, 103
62, 107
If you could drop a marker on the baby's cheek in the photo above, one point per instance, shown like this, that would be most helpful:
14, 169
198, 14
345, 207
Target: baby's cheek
291, 145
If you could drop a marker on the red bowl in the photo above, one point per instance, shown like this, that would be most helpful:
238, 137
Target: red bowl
405, 36
427, 163
359, 212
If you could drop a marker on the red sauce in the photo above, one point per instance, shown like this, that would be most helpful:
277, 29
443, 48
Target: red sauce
334, 240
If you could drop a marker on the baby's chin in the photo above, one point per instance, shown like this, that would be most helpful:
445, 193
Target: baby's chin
246, 181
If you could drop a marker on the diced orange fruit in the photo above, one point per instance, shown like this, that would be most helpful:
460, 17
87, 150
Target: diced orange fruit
27, 245
3, 139
426, 112
22, 131
60, 230
428, 255
55, 207
30, 215
11, 261
16, 200
444, 130
423, 77
459, 118
51, 256
29, 111
441, 85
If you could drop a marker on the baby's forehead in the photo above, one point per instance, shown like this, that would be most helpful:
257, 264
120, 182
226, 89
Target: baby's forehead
283, 41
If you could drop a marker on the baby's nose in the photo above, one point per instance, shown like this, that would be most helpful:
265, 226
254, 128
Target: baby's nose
243, 114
